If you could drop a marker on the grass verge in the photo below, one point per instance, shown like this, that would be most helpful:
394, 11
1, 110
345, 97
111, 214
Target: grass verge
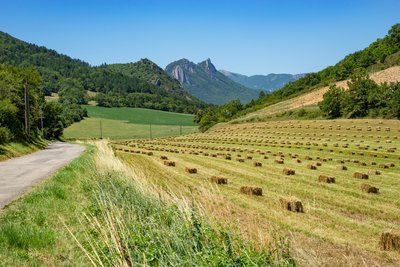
16, 149
93, 212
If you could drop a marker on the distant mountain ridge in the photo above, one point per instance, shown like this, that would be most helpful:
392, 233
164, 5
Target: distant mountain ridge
204, 81
268, 83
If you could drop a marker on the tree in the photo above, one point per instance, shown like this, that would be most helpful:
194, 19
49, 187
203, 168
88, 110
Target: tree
331, 106
356, 100
261, 94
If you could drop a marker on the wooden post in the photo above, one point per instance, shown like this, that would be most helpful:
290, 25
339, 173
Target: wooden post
41, 120
27, 114
151, 133
101, 130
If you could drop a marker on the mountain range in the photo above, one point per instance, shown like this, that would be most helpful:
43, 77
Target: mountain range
268, 83
204, 81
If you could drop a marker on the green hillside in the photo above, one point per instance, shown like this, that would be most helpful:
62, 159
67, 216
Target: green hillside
381, 54
115, 88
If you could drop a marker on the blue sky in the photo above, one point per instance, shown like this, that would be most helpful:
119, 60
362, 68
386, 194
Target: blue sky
248, 37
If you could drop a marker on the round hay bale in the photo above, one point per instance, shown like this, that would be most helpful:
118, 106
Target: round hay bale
291, 203
369, 189
190, 170
219, 180
390, 240
249, 190
360, 175
287, 171
326, 179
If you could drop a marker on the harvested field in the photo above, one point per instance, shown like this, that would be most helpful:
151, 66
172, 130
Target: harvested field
341, 225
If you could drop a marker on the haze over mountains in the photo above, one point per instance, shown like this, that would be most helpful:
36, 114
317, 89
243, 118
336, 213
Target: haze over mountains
268, 83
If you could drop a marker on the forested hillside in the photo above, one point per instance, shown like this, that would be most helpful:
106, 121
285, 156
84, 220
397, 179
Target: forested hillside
381, 54
115, 88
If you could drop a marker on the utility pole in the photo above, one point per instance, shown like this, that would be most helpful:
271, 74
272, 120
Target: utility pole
101, 130
41, 120
151, 133
27, 123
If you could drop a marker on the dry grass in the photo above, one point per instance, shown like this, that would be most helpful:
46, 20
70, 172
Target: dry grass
341, 225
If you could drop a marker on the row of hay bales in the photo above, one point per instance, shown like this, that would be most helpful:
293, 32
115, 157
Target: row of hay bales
252, 151
233, 149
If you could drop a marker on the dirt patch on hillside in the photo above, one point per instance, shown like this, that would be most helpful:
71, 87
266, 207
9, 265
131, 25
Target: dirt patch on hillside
388, 75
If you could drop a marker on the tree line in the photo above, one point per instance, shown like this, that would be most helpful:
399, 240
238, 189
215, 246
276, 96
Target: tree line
13, 81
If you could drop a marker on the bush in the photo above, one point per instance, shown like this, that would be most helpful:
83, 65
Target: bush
5, 135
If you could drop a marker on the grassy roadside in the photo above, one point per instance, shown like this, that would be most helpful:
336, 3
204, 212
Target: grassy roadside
116, 220
16, 149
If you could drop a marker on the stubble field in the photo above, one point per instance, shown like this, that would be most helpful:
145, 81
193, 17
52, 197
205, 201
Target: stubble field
341, 223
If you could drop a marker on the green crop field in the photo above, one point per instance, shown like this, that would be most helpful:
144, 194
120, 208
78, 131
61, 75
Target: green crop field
126, 123
342, 221
140, 116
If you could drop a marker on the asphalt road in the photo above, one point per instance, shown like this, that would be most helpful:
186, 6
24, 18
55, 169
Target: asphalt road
19, 174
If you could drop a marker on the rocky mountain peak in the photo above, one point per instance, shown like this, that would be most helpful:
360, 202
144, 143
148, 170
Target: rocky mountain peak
208, 67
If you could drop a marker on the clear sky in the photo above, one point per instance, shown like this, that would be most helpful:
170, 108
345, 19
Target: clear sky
244, 36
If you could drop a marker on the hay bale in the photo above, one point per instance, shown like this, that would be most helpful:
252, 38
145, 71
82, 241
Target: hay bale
311, 167
369, 188
326, 179
308, 158
249, 190
298, 160
219, 180
318, 164
164, 157
360, 175
240, 160
341, 168
228, 157
291, 204
390, 240
279, 161
374, 172
169, 163
190, 170
257, 164
149, 153
287, 171
249, 157
383, 166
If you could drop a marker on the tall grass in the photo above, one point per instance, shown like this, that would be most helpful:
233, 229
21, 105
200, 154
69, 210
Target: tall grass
131, 223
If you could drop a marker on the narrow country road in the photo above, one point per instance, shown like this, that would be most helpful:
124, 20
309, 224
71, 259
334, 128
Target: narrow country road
19, 174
